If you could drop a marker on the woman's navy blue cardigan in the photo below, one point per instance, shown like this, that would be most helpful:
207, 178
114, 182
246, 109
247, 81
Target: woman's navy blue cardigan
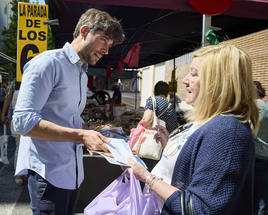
215, 170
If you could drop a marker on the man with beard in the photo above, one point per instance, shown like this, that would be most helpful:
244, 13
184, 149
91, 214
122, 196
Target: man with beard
47, 114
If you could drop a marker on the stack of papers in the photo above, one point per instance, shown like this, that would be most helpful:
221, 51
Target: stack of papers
121, 151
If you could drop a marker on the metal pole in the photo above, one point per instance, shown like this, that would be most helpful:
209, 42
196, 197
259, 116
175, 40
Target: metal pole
206, 23
173, 77
136, 88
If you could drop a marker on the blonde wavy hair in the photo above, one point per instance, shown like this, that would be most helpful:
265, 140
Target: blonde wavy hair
226, 85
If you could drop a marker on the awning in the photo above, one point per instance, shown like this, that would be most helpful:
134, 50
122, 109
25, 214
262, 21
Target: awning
255, 9
166, 28
116, 75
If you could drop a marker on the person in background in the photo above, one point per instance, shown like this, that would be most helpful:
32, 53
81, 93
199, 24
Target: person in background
261, 149
117, 95
10, 103
7, 111
163, 108
2, 96
179, 112
175, 101
47, 115
213, 173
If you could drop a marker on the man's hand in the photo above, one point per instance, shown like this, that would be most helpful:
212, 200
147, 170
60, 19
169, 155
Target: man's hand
94, 140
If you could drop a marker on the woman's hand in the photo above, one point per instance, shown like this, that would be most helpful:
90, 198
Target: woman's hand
161, 135
162, 189
139, 171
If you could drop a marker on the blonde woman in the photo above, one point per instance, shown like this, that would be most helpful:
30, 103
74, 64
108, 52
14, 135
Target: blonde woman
213, 173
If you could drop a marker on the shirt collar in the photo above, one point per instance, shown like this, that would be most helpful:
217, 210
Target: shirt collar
73, 56
71, 53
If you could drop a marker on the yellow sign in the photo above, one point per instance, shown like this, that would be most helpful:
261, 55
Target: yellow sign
32, 33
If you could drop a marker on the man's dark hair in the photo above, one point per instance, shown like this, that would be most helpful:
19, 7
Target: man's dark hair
161, 88
101, 20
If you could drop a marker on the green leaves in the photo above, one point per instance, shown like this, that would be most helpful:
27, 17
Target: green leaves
9, 41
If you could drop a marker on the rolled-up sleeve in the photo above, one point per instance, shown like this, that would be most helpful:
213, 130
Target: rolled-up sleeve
36, 86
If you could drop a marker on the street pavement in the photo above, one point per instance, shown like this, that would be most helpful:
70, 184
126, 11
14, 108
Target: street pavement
14, 199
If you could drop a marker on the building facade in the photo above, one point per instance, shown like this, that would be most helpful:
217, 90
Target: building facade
256, 45
5, 14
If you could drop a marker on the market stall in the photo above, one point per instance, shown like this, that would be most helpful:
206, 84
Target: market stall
167, 29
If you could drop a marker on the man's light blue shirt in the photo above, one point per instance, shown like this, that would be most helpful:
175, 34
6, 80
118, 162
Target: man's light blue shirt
53, 88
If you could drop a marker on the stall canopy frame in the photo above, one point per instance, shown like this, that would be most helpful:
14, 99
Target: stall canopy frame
166, 28
4, 59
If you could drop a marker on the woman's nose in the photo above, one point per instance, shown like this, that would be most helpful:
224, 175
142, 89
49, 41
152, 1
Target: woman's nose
185, 80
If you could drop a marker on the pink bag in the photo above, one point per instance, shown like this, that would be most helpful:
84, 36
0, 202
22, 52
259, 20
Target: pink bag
123, 197
135, 134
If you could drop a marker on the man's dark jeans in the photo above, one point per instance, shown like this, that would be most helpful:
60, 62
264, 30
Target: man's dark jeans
47, 199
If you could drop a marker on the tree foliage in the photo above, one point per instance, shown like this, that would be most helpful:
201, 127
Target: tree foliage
9, 40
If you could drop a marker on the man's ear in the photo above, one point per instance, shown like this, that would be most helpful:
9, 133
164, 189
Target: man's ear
84, 31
